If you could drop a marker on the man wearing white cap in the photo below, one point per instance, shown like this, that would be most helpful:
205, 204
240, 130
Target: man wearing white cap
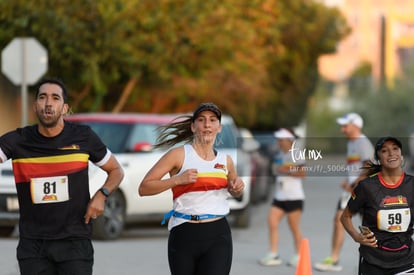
359, 151
288, 199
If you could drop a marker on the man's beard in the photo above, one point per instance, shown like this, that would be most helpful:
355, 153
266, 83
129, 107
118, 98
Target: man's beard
50, 122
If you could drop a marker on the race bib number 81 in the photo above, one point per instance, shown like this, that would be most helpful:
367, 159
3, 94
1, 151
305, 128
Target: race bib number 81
49, 190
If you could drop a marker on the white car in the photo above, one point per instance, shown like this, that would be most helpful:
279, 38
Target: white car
130, 137
9, 205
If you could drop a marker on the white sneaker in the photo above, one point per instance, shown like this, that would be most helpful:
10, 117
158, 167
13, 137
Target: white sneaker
270, 259
328, 265
294, 261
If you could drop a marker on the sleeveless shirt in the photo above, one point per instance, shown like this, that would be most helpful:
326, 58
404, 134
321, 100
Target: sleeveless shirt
208, 195
288, 187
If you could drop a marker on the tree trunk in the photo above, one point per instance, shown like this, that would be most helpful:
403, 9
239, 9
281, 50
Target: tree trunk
129, 87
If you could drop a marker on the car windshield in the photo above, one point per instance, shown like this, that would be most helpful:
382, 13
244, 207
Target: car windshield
122, 137
227, 138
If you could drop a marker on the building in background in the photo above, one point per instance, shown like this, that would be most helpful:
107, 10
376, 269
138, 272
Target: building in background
399, 45
382, 35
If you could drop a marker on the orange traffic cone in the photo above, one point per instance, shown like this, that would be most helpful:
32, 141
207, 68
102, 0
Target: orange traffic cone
304, 266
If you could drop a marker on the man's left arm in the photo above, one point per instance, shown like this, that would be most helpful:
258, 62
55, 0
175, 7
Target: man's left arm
115, 175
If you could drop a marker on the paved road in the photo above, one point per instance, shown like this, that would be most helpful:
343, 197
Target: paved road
143, 250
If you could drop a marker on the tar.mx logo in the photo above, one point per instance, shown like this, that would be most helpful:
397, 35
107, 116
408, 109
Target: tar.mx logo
304, 154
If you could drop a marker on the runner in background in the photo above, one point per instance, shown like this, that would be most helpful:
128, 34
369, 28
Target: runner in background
288, 198
359, 152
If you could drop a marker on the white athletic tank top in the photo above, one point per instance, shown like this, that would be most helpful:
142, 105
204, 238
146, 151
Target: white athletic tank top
288, 187
208, 195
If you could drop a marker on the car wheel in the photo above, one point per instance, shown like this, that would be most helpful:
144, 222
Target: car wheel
110, 224
242, 218
6, 231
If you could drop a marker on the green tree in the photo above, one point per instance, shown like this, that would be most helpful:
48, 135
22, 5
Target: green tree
255, 58
308, 31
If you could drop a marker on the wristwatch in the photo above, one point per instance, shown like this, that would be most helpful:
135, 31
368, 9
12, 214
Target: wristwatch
105, 191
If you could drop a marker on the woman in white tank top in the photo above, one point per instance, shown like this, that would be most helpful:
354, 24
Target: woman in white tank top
200, 239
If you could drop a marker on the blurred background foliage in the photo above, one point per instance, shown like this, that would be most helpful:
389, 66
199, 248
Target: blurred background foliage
386, 110
257, 59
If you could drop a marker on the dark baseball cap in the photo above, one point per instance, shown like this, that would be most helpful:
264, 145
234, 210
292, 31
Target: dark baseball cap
381, 142
207, 107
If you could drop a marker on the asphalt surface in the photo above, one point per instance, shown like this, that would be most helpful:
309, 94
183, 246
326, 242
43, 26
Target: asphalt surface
142, 250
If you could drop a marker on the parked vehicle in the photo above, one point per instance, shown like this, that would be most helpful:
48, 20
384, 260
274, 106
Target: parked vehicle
262, 178
9, 205
130, 137
268, 144
268, 149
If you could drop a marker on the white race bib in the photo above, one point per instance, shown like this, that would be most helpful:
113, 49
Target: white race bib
394, 220
49, 190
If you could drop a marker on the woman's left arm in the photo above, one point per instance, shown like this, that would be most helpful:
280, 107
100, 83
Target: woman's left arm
346, 220
235, 184
359, 237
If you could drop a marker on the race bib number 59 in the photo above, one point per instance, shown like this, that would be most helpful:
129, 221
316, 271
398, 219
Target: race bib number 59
394, 220
49, 190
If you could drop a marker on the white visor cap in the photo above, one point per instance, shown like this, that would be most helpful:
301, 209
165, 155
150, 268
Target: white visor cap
351, 118
284, 133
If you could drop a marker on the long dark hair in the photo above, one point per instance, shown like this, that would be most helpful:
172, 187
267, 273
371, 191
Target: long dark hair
179, 130
370, 168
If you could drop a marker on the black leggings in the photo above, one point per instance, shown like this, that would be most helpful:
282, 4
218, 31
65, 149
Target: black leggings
200, 248
366, 268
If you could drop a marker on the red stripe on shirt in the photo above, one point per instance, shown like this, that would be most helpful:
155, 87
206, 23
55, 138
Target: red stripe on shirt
25, 169
202, 184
